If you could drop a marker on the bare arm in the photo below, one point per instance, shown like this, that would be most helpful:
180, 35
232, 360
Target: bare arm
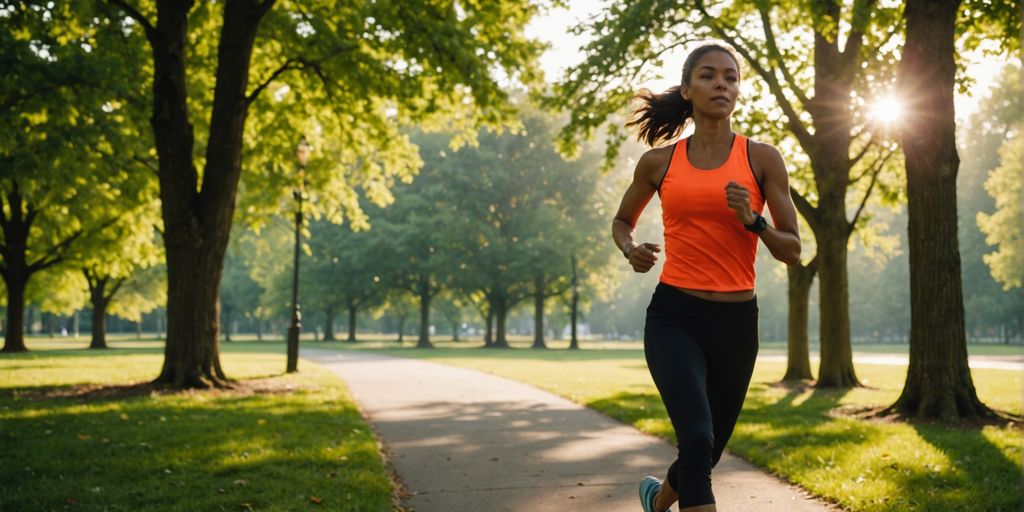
783, 239
641, 256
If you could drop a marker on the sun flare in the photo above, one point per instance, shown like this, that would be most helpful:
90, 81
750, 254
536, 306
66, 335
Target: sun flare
887, 110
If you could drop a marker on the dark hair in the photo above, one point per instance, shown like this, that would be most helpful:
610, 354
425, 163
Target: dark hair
662, 117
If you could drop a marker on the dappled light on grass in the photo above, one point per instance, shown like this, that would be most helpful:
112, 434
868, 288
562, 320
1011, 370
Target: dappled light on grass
275, 443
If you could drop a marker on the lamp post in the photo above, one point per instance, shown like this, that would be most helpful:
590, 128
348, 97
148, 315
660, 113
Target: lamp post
302, 152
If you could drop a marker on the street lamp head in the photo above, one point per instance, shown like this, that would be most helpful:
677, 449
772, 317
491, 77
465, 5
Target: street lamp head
303, 151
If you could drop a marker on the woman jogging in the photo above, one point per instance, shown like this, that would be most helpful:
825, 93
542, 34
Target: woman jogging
700, 338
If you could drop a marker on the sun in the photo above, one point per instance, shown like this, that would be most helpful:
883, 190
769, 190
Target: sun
886, 110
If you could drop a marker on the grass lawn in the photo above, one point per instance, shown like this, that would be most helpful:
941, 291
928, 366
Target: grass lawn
862, 465
282, 442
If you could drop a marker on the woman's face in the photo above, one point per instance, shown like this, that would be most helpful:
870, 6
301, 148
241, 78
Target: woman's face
714, 85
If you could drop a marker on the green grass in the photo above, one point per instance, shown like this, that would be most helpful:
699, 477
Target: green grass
864, 466
299, 441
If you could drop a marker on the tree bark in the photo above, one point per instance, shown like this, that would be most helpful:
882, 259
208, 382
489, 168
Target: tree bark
426, 294
574, 343
197, 221
489, 330
938, 381
14, 336
798, 361
329, 323
401, 329
836, 366
501, 310
538, 312
15, 268
352, 322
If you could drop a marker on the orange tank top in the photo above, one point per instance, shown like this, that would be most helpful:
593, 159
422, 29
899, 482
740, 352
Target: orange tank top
706, 246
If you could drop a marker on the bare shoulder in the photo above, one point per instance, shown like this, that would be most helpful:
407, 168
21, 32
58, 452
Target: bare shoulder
653, 163
766, 160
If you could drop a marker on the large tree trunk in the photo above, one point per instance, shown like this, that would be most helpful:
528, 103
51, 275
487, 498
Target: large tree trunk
938, 381
831, 164
798, 361
99, 318
15, 268
329, 323
197, 221
501, 311
489, 330
425, 297
14, 336
352, 322
538, 312
836, 367
401, 329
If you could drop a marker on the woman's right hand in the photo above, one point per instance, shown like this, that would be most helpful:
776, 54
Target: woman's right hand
643, 256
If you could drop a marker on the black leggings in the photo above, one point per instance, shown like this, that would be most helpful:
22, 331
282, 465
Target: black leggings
701, 354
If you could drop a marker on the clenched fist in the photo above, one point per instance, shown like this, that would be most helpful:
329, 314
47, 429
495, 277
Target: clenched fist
643, 256
738, 198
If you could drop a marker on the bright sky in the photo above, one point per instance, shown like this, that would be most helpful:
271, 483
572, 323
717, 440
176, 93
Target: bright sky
553, 27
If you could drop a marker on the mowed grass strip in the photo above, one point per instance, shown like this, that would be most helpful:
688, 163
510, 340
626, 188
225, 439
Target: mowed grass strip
796, 434
283, 442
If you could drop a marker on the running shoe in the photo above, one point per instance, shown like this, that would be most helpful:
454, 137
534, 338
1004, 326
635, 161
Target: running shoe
649, 488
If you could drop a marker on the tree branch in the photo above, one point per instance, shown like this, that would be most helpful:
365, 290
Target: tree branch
773, 48
804, 206
793, 120
134, 14
859, 21
863, 151
288, 65
55, 255
113, 290
867, 194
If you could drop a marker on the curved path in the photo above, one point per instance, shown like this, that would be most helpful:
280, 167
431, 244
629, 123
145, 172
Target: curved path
462, 440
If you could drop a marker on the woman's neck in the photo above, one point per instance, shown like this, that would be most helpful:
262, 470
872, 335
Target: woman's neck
712, 133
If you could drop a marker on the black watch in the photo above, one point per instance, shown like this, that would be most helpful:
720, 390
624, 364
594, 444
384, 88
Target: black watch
758, 225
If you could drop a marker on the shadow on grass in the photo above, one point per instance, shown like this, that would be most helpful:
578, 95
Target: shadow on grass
797, 435
256, 385
184, 453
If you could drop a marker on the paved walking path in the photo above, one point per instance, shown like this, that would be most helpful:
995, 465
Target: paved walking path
462, 441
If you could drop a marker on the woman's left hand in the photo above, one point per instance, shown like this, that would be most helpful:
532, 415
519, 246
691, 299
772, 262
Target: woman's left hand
738, 198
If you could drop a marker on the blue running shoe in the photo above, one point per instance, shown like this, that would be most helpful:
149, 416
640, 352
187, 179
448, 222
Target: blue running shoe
649, 488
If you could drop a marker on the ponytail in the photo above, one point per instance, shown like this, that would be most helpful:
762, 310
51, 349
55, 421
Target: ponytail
660, 117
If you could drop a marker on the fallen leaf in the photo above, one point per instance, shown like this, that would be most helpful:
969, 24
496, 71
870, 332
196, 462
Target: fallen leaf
241, 482
83, 437
314, 500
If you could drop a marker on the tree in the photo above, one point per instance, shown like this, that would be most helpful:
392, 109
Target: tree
833, 136
340, 273
239, 293
412, 239
375, 64
988, 307
70, 153
938, 383
1004, 227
